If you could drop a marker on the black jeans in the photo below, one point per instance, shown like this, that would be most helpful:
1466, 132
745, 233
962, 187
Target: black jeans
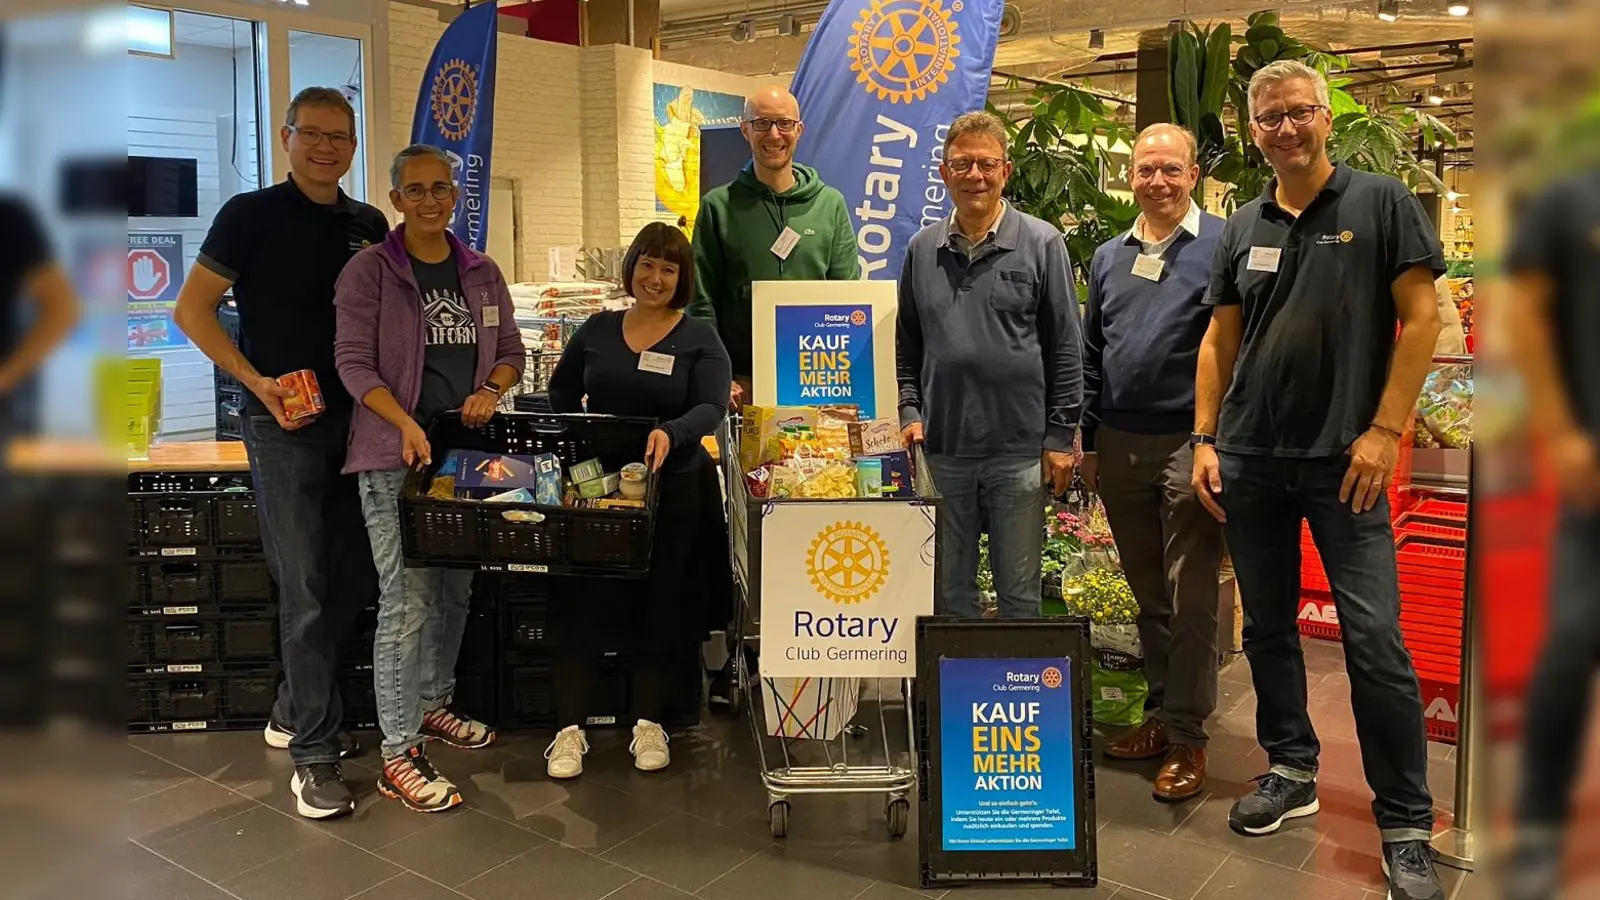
1266, 499
319, 555
1558, 698
651, 680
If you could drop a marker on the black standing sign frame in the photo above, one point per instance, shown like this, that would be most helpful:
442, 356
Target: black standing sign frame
942, 638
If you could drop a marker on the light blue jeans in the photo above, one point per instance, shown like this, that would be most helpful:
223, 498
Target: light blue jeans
1007, 494
422, 614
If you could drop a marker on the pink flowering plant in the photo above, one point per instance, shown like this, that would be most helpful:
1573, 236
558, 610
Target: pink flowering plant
1072, 532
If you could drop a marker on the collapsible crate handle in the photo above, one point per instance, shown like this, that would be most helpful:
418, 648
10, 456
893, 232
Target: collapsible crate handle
180, 570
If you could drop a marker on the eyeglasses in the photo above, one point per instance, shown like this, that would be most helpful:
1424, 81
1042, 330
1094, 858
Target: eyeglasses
439, 190
338, 140
1301, 115
784, 126
988, 165
1172, 173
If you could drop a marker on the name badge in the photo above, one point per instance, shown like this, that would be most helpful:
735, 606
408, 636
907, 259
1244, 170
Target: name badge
1264, 259
1148, 267
784, 245
659, 363
491, 317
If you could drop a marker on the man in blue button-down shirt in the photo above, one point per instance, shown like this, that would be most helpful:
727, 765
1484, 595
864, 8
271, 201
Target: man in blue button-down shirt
989, 366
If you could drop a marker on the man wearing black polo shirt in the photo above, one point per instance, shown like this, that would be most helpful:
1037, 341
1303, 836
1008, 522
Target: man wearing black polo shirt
1301, 396
281, 249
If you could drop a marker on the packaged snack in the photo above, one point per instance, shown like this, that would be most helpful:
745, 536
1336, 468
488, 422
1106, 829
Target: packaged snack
619, 503
547, 487
527, 516
758, 436
785, 481
305, 395
588, 470
869, 478
758, 481
633, 481
443, 488
834, 481
897, 480
483, 475
599, 487
520, 495
833, 426
874, 437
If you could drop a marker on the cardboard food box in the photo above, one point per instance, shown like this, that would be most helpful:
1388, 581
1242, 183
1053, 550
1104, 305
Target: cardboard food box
811, 708
548, 487
896, 480
483, 475
758, 436
588, 470
875, 437
600, 487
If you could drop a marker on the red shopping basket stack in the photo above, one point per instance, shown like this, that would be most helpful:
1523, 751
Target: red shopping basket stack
1431, 554
1318, 617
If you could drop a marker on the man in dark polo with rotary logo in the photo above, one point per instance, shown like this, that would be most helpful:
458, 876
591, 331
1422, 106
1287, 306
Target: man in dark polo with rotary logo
1302, 394
281, 250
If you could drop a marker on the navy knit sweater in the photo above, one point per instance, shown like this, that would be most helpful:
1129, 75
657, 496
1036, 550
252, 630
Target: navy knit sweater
1141, 338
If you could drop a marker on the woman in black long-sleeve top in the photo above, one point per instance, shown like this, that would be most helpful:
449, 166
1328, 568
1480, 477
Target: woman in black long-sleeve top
651, 361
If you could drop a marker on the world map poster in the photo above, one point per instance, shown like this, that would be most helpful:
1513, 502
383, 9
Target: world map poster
680, 114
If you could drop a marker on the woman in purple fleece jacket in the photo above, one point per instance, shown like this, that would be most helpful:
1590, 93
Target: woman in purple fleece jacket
425, 325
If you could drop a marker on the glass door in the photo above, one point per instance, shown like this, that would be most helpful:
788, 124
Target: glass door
328, 60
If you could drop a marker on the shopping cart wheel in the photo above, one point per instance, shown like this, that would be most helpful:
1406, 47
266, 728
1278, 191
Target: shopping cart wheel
898, 814
778, 814
735, 697
856, 731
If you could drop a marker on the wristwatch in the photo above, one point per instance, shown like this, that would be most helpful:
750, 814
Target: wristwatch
491, 387
1197, 439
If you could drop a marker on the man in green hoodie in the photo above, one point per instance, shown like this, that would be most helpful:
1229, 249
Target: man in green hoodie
776, 222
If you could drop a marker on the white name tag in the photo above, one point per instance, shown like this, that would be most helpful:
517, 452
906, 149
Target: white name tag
491, 317
1148, 267
1264, 259
784, 245
659, 363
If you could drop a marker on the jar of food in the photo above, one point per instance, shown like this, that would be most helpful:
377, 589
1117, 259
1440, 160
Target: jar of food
633, 481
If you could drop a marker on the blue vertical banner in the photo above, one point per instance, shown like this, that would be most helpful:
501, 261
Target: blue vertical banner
880, 82
1008, 777
455, 112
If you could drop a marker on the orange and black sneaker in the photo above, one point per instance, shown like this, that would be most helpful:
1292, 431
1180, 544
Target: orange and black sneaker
456, 730
412, 779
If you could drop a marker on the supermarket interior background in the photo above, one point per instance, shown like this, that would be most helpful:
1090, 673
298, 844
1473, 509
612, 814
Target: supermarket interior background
609, 114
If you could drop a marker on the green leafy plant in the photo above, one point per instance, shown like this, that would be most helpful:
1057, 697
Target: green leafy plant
1062, 181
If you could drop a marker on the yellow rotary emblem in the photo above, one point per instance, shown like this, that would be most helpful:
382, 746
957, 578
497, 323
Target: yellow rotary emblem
454, 98
1051, 677
1346, 236
848, 562
904, 49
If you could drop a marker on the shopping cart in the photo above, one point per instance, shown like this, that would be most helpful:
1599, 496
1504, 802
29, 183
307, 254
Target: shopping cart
848, 764
542, 355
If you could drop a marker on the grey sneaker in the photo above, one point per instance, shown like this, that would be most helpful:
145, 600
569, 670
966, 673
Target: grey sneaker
1276, 800
1409, 867
320, 791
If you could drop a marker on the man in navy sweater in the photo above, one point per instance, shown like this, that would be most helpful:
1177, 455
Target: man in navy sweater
988, 358
1142, 332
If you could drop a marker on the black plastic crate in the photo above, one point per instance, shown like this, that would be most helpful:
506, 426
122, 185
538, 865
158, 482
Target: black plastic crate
177, 513
360, 696
614, 542
478, 650
230, 404
688, 695
528, 696
475, 696
138, 587
356, 652
244, 580
203, 644
188, 702
181, 583
524, 617
237, 521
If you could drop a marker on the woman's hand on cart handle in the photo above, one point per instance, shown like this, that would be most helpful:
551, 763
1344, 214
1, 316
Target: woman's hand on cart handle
655, 452
414, 447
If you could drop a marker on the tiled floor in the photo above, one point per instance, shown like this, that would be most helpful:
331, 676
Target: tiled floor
211, 817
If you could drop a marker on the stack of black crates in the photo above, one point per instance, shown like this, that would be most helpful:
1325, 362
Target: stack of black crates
202, 637
229, 392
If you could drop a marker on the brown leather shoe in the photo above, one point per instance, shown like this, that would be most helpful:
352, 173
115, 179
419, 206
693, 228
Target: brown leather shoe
1148, 741
1182, 776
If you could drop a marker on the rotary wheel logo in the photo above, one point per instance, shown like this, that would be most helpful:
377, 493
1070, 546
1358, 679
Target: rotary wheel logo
1050, 678
1346, 237
904, 49
848, 562
454, 98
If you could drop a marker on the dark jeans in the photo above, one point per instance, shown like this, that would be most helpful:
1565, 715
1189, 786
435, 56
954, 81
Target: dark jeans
1558, 698
1171, 549
650, 687
319, 555
1266, 499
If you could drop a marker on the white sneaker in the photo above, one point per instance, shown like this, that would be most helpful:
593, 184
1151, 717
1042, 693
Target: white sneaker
649, 747
566, 753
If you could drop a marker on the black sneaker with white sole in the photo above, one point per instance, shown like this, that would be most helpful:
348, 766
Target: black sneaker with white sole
1409, 867
1276, 799
278, 736
320, 791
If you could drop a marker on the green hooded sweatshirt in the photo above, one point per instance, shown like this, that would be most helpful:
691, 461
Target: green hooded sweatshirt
738, 225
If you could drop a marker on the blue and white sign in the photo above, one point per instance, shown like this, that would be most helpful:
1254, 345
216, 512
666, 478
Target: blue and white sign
455, 112
888, 77
825, 357
1009, 773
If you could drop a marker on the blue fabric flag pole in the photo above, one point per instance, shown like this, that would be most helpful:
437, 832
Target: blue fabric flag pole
455, 112
879, 85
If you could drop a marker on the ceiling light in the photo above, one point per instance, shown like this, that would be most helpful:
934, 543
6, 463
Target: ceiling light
1459, 7
149, 31
1097, 39
1389, 10
1452, 196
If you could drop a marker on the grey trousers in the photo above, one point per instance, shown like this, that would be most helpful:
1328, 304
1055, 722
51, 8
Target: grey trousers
1171, 549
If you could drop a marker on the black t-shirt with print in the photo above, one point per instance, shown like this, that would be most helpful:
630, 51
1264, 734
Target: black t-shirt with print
451, 352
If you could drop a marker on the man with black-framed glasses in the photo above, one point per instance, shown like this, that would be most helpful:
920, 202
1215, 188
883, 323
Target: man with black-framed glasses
281, 250
776, 222
1302, 395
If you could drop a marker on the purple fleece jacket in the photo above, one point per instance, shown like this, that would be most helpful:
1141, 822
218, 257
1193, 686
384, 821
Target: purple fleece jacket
381, 337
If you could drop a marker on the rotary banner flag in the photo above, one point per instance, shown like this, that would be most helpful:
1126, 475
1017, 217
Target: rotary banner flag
455, 112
